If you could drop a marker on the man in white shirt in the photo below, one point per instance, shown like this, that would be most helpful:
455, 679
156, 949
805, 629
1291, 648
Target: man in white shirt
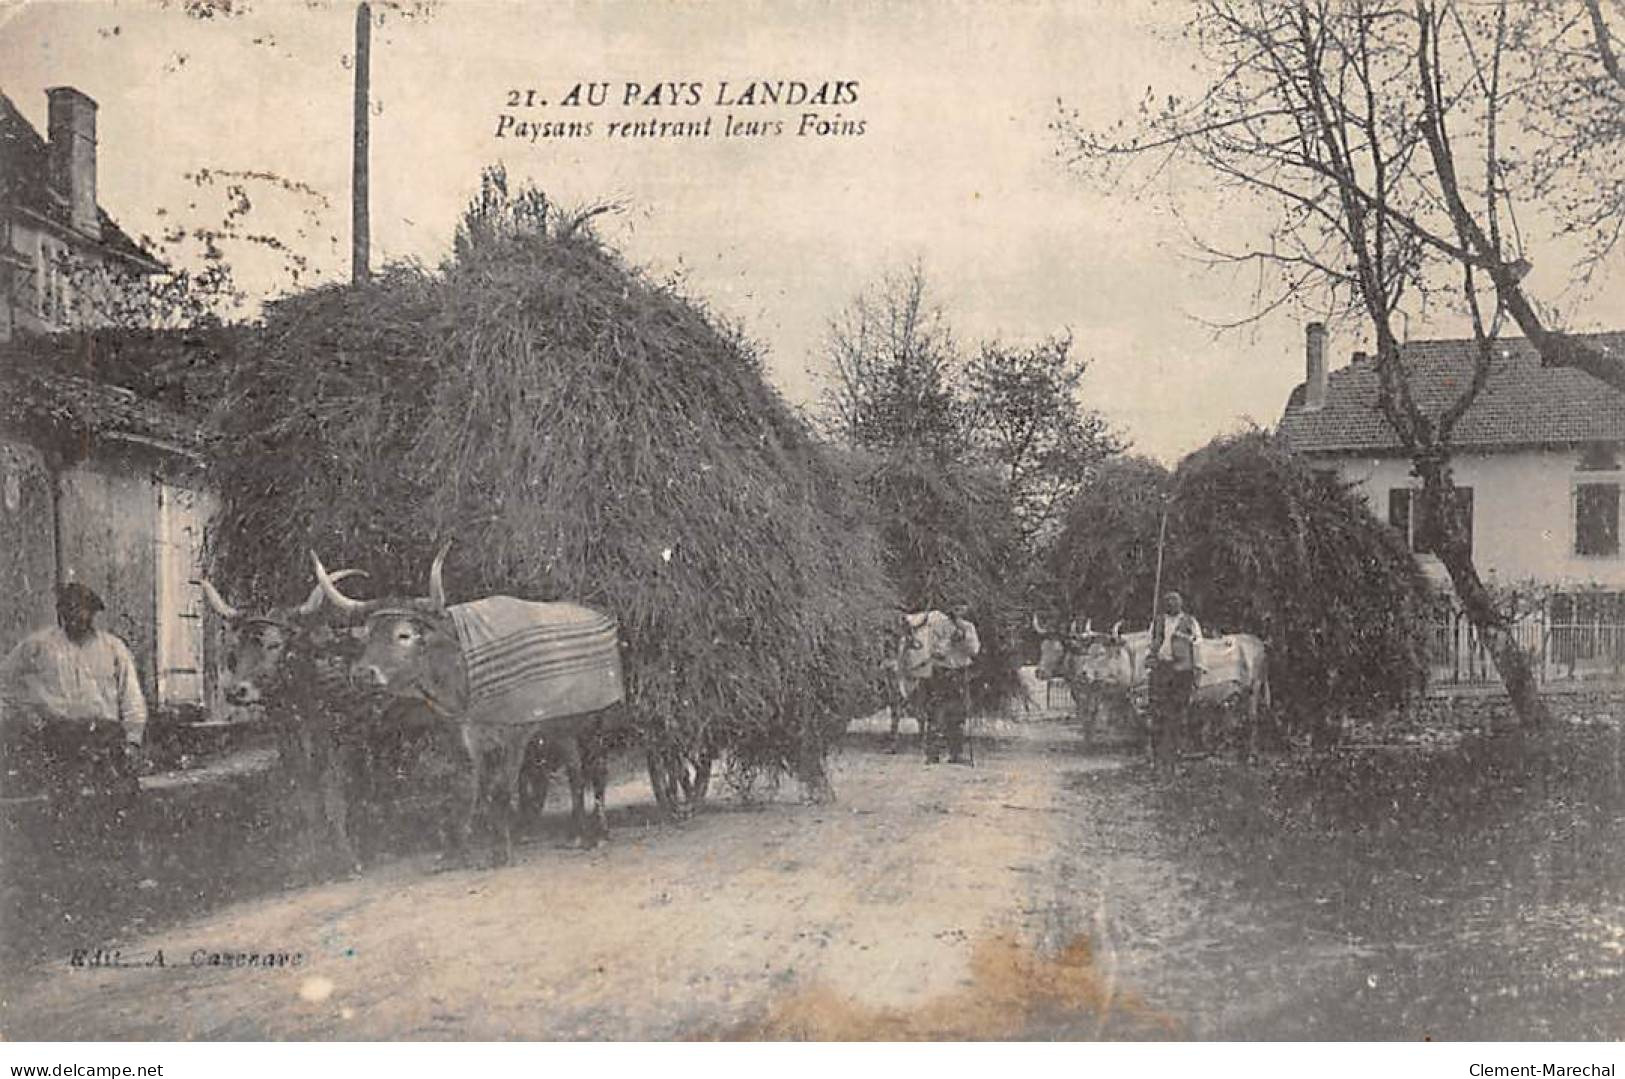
71, 699
954, 644
1172, 675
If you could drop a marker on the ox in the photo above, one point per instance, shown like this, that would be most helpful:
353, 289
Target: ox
286, 660
504, 672
1111, 669
907, 665
1101, 680
931, 648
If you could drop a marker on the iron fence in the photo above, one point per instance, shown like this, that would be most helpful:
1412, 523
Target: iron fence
1574, 648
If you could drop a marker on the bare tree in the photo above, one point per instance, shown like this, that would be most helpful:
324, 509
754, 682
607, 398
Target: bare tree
1376, 130
893, 365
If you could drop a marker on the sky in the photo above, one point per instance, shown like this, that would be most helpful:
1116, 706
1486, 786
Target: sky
956, 167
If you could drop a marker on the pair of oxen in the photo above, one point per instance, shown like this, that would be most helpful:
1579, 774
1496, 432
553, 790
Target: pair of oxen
1108, 671
300, 664
923, 647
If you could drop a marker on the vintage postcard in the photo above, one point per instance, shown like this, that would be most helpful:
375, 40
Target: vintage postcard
841, 521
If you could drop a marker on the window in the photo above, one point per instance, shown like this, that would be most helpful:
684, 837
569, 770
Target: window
1596, 519
1406, 514
40, 303
49, 283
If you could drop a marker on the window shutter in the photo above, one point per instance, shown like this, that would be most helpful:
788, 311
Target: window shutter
1399, 512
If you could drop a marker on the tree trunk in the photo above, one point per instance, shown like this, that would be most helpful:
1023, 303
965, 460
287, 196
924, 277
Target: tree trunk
1452, 548
1557, 349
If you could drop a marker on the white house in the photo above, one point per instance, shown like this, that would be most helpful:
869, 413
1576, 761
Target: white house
1539, 458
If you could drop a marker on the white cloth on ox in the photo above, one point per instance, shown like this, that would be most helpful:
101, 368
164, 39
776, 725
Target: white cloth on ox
1220, 660
1227, 668
530, 662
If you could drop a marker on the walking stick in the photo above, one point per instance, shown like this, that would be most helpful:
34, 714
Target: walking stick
970, 735
1156, 587
1151, 628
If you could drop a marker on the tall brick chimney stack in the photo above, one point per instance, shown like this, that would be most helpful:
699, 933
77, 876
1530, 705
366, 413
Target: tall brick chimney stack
1314, 381
72, 150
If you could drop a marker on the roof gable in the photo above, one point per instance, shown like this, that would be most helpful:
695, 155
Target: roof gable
1522, 404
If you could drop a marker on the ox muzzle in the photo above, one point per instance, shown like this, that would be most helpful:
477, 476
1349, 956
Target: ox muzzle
368, 676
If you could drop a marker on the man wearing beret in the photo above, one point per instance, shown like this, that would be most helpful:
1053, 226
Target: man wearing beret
70, 693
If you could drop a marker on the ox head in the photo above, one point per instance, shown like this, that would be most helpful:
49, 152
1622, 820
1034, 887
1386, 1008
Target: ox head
264, 648
411, 645
913, 640
1107, 658
1054, 646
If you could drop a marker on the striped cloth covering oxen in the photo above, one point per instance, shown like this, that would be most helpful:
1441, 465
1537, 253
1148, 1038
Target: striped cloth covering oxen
533, 662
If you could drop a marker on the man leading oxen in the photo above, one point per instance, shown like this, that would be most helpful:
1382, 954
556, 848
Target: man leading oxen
906, 667
929, 674
505, 672
1216, 675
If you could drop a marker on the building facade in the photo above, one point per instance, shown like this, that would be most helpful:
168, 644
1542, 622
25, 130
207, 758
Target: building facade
97, 484
61, 254
1539, 460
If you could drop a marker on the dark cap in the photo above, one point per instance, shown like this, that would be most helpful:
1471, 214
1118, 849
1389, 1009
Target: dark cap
81, 596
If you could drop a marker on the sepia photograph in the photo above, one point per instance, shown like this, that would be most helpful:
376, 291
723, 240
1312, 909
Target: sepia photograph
841, 521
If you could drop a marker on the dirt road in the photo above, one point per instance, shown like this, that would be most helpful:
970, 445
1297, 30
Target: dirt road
1044, 893
926, 902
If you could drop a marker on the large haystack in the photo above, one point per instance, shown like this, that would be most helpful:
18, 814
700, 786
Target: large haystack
581, 433
949, 536
1257, 543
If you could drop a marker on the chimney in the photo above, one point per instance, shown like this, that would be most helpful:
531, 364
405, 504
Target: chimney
1314, 381
72, 151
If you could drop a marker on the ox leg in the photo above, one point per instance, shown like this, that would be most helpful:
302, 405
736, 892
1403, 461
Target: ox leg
598, 771
896, 721
336, 803
1086, 706
702, 775
534, 780
658, 783
462, 837
506, 802
361, 770
576, 772
304, 776
492, 803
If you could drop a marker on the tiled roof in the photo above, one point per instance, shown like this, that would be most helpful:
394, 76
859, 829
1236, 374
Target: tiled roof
25, 182
44, 402
1522, 404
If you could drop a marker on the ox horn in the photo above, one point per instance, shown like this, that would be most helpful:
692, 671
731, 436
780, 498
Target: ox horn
221, 607
338, 599
1116, 628
1038, 627
313, 602
437, 583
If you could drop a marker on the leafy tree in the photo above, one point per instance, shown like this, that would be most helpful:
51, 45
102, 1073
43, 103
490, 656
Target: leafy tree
1025, 418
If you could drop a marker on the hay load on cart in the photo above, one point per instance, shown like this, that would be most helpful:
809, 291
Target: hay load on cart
584, 434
